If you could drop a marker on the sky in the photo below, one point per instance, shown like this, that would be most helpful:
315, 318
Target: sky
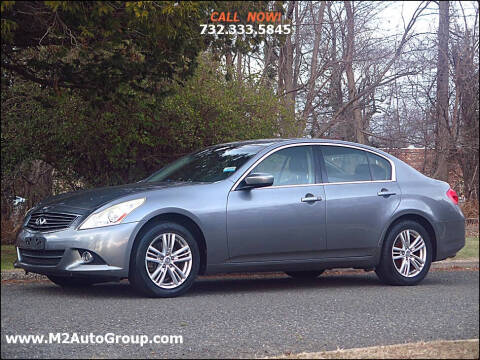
392, 15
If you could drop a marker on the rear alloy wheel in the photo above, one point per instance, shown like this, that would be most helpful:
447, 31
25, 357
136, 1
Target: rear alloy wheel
409, 253
304, 274
406, 255
166, 261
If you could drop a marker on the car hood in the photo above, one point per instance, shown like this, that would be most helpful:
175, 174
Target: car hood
91, 199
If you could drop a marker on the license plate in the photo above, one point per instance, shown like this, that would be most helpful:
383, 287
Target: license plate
31, 243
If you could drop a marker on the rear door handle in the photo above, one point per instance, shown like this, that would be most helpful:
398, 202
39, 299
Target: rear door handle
311, 198
385, 192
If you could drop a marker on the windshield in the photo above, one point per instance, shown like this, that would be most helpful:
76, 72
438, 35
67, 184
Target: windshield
209, 165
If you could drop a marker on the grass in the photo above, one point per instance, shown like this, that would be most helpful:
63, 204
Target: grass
9, 255
453, 349
470, 251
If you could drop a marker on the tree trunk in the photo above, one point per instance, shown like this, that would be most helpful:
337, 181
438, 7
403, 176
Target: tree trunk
442, 129
239, 66
314, 72
352, 89
229, 65
335, 92
285, 76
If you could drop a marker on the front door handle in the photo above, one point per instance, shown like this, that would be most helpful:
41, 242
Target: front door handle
385, 192
311, 198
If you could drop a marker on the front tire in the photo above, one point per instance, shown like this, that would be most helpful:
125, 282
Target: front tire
165, 261
406, 254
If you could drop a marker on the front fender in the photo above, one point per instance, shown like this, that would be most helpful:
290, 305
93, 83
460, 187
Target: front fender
153, 214
173, 210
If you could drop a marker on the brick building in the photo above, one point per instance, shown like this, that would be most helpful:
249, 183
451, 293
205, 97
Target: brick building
422, 159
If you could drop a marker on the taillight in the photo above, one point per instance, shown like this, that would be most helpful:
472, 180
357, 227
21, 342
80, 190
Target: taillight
453, 196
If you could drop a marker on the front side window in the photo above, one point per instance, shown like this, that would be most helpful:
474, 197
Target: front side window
344, 164
290, 166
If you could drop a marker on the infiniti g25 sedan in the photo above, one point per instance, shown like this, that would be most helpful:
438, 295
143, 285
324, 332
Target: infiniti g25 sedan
299, 206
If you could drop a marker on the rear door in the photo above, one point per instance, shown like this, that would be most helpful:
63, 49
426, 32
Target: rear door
361, 194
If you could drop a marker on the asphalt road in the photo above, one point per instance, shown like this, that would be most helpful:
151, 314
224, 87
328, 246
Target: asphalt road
245, 317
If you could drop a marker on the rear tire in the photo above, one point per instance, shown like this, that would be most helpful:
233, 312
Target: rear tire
159, 270
401, 264
304, 274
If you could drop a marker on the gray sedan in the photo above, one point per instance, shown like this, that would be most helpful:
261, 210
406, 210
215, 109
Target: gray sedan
299, 206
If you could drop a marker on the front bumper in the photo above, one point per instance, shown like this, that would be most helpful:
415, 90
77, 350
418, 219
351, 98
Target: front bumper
110, 244
450, 238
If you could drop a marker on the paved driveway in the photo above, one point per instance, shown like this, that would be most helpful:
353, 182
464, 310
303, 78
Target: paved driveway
260, 316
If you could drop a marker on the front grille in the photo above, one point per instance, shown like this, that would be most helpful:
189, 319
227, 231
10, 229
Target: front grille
50, 221
41, 257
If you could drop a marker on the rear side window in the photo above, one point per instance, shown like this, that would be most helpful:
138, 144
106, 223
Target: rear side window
380, 167
345, 164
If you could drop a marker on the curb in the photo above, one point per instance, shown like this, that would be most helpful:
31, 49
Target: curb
20, 275
456, 264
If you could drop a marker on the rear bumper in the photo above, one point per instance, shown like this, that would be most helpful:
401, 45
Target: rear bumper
62, 254
450, 238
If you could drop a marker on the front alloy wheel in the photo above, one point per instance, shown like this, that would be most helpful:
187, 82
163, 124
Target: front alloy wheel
165, 260
168, 260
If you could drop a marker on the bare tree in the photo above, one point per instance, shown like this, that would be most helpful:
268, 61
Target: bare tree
343, 74
465, 113
352, 90
368, 67
311, 90
442, 132
286, 80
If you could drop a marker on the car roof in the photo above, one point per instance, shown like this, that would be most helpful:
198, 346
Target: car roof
280, 141
274, 142
260, 142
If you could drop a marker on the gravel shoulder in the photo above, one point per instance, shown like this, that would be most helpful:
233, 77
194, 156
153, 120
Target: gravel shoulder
453, 349
449, 264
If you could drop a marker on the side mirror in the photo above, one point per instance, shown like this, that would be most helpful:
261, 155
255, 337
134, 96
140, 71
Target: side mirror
256, 181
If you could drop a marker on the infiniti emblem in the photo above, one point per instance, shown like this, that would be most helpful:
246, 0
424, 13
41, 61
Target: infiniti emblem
41, 221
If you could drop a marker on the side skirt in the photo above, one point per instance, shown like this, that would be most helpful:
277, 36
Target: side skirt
359, 262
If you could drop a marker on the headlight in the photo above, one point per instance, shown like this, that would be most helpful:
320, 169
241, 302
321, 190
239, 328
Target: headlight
111, 216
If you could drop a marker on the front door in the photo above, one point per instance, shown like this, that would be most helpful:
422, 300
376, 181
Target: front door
285, 221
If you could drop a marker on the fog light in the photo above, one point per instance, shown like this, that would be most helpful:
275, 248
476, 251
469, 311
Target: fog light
87, 257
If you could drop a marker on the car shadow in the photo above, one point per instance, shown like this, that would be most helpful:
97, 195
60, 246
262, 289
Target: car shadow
228, 284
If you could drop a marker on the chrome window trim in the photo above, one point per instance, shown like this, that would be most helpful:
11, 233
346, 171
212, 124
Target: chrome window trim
392, 164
